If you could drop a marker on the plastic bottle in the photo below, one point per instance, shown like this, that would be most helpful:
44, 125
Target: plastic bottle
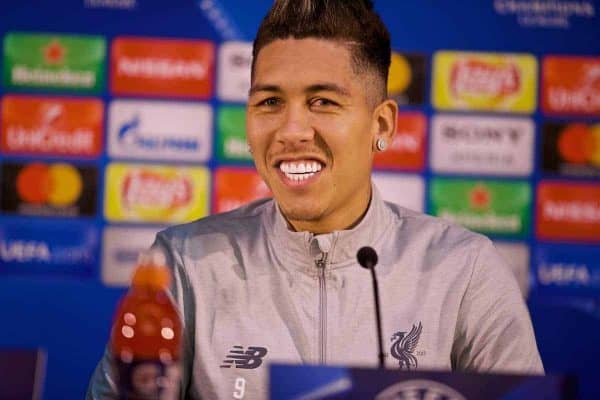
146, 337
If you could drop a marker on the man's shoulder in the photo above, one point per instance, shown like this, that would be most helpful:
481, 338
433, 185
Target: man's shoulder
441, 233
245, 220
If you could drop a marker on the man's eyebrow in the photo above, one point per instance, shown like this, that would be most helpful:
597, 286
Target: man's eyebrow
328, 87
317, 87
263, 88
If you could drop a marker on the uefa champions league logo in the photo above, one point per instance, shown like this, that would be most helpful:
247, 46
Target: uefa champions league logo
419, 389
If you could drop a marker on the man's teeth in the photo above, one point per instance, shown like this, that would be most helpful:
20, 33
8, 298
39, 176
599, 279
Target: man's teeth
300, 170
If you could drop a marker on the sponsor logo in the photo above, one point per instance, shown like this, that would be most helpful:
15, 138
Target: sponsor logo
563, 268
517, 258
402, 189
490, 207
111, 4
251, 358
51, 126
235, 187
407, 150
423, 388
545, 14
484, 81
407, 78
568, 211
235, 61
120, 251
155, 193
482, 145
56, 189
162, 67
48, 248
231, 137
404, 345
571, 85
63, 62
571, 149
160, 130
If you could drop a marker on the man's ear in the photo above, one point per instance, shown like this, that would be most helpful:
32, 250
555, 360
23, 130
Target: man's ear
384, 124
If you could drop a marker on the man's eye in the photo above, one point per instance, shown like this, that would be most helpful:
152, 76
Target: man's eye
270, 102
321, 102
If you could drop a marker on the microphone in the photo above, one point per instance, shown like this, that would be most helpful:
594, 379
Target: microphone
367, 258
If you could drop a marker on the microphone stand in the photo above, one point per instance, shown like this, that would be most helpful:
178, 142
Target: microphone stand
367, 258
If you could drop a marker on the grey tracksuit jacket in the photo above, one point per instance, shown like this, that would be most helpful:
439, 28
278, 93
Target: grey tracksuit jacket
247, 284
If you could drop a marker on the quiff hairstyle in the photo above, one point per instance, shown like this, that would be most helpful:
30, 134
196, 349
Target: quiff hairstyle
351, 22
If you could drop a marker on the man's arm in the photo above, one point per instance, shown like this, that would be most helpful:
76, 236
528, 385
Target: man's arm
494, 331
103, 383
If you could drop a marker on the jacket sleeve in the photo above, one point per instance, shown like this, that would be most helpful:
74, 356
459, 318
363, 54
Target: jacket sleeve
494, 331
103, 383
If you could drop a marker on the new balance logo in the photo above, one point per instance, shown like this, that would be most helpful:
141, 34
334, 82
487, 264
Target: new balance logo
245, 359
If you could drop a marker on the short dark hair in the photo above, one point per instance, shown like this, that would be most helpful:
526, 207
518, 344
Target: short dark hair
352, 22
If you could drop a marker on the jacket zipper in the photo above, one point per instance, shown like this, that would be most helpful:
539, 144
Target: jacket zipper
321, 263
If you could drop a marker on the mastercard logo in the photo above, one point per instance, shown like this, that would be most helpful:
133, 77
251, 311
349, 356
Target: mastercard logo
400, 74
59, 184
580, 144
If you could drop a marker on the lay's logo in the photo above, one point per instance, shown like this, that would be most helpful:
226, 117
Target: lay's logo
484, 81
476, 78
156, 193
147, 189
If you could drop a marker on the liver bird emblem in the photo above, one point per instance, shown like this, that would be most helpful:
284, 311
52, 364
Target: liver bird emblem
404, 346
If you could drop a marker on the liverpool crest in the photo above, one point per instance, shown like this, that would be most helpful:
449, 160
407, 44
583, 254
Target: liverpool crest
404, 346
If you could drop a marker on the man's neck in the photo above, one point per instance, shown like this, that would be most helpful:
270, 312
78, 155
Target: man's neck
335, 222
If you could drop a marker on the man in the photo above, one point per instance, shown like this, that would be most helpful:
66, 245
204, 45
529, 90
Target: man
279, 279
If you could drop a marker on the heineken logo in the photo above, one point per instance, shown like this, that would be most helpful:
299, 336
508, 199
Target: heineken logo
480, 197
61, 62
54, 53
490, 207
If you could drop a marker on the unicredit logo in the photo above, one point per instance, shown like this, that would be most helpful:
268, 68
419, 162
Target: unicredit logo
478, 78
49, 136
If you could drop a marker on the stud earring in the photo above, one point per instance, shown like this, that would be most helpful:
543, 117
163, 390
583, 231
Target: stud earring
381, 144
249, 148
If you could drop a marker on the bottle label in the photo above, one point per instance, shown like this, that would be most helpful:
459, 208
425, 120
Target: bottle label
148, 380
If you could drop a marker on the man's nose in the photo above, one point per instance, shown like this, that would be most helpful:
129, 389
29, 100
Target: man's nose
295, 127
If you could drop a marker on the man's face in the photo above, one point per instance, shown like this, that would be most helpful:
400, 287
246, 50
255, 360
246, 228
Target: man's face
311, 125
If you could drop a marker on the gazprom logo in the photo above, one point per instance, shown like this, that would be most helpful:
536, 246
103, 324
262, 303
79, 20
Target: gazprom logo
160, 130
130, 135
419, 389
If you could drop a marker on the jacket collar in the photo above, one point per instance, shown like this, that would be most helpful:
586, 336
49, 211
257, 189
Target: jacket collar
302, 249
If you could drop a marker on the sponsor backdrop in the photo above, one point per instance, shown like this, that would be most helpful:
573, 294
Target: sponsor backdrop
120, 117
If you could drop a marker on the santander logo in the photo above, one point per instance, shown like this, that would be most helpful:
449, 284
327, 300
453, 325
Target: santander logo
148, 189
479, 78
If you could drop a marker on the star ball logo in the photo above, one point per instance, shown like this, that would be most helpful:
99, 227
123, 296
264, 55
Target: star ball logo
49, 189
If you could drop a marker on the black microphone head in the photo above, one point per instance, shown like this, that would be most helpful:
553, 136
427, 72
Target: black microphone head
367, 257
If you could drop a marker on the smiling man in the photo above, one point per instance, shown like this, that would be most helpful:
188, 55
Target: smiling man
277, 280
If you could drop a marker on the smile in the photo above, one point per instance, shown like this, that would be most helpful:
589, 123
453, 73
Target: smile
301, 170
